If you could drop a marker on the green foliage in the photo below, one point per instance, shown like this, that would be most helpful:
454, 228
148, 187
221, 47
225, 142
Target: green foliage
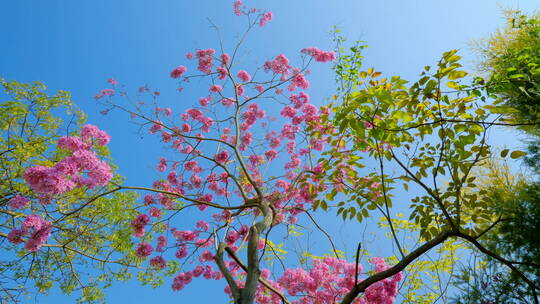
516, 202
429, 137
512, 64
425, 278
511, 60
90, 245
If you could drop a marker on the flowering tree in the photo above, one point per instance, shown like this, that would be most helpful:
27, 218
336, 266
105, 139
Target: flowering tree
57, 205
227, 151
250, 176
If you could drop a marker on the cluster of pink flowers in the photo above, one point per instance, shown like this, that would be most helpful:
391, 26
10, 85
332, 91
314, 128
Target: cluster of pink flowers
18, 202
319, 55
205, 58
280, 65
178, 72
237, 6
326, 282
35, 228
298, 81
104, 92
158, 262
244, 76
139, 223
143, 250
81, 168
385, 291
265, 18
222, 157
91, 133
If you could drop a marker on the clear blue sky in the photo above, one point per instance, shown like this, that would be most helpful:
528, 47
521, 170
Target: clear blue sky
77, 45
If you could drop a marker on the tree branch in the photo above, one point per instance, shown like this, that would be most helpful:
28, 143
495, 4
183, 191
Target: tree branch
232, 254
362, 286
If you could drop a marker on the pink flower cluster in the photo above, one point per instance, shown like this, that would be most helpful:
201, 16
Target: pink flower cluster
138, 224
143, 250
18, 202
319, 55
81, 168
326, 282
280, 65
178, 72
205, 58
244, 76
385, 291
265, 18
298, 81
237, 6
91, 133
35, 228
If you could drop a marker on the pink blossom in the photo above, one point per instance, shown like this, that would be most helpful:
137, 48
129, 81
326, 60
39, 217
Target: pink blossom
225, 59
112, 81
198, 271
186, 235
222, 73
298, 80
318, 55
237, 5
161, 243
288, 111
202, 225
143, 250
216, 88
138, 224
18, 202
280, 65
270, 154
206, 256
38, 230
149, 199
15, 236
162, 166
227, 102
204, 101
178, 72
107, 92
155, 212
265, 18
91, 132
222, 157
186, 128
182, 252
168, 112
181, 280
157, 126
244, 76
239, 90
49, 181
205, 58
158, 262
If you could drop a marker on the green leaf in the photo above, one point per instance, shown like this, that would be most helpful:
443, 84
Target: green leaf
504, 153
453, 85
456, 75
517, 154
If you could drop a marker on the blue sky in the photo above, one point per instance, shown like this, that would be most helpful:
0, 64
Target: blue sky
77, 45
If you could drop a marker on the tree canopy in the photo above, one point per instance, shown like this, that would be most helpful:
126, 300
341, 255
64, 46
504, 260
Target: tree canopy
254, 163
